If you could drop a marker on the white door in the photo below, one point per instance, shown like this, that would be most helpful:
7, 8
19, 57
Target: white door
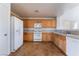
4, 29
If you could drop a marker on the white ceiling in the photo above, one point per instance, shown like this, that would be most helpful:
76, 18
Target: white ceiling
28, 9
45, 9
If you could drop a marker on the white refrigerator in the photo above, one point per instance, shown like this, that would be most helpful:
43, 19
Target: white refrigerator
16, 33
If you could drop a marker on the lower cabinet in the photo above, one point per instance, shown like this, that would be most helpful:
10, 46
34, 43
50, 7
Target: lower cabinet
59, 41
53, 37
56, 40
28, 36
49, 36
46, 36
62, 43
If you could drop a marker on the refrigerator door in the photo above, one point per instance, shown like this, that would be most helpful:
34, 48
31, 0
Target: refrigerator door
18, 33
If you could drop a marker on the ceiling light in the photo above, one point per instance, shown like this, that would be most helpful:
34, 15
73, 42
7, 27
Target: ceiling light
36, 11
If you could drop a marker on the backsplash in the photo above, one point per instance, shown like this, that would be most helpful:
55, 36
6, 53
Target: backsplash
42, 29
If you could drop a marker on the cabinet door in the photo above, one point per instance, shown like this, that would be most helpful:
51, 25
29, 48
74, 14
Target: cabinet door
53, 23
29, 23
28, 36
62, 43
49, 36
44, 36
48, 23
56, 40
53, 37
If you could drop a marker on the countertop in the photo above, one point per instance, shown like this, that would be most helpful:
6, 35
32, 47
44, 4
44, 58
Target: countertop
67, 33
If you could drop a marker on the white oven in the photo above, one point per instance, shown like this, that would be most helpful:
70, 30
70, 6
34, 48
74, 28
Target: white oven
37, 32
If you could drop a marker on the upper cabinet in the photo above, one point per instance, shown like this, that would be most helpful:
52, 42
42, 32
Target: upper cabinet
29, 23
48, 23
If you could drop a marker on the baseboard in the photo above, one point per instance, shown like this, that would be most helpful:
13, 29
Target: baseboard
15, 51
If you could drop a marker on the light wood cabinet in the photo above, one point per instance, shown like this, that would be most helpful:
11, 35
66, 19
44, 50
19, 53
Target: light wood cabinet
54, 23
60, 41
48, 23
45, 23
46, 36
53, 37
28, 36
49, 36
29, 23
56, 40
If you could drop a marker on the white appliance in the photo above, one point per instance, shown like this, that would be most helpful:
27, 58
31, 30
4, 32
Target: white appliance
37, 32
16, 33
72, 46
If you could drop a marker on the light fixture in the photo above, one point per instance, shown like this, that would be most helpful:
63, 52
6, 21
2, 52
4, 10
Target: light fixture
36, 11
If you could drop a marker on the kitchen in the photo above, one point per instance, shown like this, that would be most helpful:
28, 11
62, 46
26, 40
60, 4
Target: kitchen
48, 29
